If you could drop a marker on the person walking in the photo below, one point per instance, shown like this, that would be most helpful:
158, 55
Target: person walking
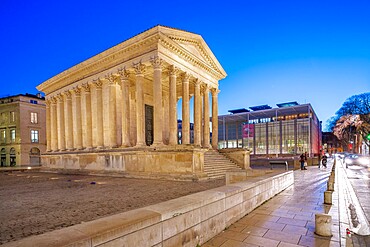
303, 159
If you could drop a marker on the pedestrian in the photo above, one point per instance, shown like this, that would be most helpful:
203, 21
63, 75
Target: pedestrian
303, 159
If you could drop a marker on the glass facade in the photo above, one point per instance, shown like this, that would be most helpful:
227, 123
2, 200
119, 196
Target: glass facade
279, 131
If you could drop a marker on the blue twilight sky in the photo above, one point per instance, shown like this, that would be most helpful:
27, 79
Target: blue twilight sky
307, 51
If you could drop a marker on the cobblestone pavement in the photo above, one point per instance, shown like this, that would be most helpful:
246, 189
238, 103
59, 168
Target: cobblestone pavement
35, 202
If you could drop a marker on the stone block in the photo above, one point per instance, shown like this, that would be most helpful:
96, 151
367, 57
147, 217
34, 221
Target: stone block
323, 224
234, 176
179, 223
188, 238
212, 209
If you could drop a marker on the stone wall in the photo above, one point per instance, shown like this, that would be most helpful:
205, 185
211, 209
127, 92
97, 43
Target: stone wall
185, 221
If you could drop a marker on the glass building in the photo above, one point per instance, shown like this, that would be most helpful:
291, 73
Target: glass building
287, 130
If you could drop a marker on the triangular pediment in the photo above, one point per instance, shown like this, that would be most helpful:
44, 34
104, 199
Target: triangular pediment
195, 45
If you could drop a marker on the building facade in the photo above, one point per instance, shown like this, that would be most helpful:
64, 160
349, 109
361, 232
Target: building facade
117, 111
22, 129
289, 129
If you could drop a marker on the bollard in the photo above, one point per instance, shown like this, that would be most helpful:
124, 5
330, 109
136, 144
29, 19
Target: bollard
330, 186
323, 225
328, 197
332, 178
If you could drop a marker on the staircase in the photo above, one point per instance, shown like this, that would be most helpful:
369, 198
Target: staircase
216, 164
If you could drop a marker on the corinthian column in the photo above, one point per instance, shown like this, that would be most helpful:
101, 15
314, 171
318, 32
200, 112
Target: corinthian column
197, 113
125, 86
215, 93
48, 125
185, 109
86, 117
206, 117
173, 106
68, 120
157, 98
60, 123
76, 109
140, 123
112, 111
97, 116
54, 125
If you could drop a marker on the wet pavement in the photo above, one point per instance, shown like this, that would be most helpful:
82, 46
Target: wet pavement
288, 219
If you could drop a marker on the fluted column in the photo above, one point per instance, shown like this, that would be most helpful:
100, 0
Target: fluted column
157, 98
54, 125
97, 116
76, 109
112, 136
197, 113
206, 117
215, 93
86, 117
60, 123
68, 125
185, 109
173, 106
125, 86
140, 121
48, 125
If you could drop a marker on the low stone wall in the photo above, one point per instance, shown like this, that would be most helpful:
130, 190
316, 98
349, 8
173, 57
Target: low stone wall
178, 163
240, 156
185, 221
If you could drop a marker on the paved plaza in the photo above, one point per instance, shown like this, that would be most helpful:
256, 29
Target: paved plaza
33, 203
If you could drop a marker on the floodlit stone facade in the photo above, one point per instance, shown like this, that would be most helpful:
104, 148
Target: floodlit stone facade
117, 111
22, 129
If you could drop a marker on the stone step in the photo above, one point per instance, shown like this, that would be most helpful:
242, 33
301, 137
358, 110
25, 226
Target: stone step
216, 164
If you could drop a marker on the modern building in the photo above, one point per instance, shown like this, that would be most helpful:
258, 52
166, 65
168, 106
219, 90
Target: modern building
117, 111
289, 129
22, 129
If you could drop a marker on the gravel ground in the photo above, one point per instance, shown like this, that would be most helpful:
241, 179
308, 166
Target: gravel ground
33, 203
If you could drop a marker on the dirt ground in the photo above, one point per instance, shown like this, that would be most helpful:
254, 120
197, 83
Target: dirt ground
35, 202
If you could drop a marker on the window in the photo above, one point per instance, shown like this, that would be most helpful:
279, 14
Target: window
34, 136
33, 101
12, 116
12, 135
3, 117
3, 136
34, 117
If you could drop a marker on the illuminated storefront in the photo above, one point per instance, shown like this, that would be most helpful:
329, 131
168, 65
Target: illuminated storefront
289, 129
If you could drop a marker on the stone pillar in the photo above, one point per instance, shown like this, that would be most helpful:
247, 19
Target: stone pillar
206, 116
173, 106
86, 117
60, 123
185, 109
215, 92
323, 224
125, 86
76, 109
140, 114
54, 126
112, 111
157, 98
68, 120
48, 125
97, 114
197, 114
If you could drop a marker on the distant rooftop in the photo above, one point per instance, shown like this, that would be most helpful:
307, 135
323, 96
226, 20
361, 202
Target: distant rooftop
241, 110
36, 96
260, 107
287, 104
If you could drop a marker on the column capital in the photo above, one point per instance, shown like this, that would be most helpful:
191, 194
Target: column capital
139, 68
98, 83
205, 87
59, 98
77, 91
86, 87
185, 77
53, 100
123, 73
67, 94
110, 78
173, 70
156, 62
197, 82
215, 91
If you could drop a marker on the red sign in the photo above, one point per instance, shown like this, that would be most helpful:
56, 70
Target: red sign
248, 130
